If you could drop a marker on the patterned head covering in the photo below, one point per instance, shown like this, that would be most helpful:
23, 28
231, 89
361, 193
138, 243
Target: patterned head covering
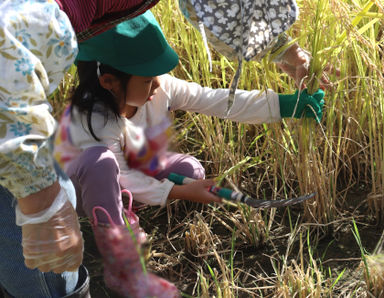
241, 29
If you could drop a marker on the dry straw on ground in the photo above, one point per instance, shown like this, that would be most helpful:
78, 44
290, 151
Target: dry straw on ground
231, 251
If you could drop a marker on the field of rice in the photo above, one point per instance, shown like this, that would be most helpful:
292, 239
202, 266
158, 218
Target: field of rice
329, 246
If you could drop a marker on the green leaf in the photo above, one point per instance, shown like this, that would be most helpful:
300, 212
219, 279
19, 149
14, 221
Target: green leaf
35, 120
50, 30
37, 53
29, 79
49, 51
7, 56
5, 118
2, 89
14, 25
3, 130
25, 21
33, 42
4, 164
69, 57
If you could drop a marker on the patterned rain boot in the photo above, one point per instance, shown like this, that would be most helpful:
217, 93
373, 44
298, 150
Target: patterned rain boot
123, 270
133, 219
139, 233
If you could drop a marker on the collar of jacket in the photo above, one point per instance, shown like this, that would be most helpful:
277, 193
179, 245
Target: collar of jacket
92, 17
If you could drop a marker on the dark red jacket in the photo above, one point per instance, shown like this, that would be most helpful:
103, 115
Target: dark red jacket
92, 17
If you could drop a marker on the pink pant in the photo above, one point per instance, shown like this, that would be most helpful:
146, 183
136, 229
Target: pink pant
95, 175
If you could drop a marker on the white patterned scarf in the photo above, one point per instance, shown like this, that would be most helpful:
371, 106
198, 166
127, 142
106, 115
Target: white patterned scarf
241, 29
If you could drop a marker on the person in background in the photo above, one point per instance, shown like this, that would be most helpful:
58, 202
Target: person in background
38, 44
251, 30
114, 136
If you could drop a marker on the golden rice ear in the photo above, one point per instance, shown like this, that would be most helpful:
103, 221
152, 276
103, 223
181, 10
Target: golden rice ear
297, 281
199, 240
373, 272
250, 226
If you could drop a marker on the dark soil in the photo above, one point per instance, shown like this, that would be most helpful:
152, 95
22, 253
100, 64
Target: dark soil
335, 245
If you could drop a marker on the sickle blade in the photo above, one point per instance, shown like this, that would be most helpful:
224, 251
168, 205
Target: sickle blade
277, 203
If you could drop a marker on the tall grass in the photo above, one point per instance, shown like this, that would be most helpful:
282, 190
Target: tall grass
225, 250
342, 154
344, 151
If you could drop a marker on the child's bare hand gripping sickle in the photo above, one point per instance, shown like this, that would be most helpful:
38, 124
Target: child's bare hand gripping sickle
193, 190
230, 195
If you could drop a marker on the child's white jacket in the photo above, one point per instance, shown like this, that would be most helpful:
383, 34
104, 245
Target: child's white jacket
139, 143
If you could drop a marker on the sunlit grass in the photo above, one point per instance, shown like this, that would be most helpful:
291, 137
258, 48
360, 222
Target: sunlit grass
375, 278
225, 250
344, 151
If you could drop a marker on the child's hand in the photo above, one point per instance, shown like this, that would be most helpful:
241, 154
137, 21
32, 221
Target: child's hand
197, 191
301, 104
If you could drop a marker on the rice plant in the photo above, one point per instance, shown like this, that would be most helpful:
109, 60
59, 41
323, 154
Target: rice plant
375, 280
345, 149
227, 250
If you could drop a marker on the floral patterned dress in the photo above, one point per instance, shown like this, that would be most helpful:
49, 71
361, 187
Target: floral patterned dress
37, 46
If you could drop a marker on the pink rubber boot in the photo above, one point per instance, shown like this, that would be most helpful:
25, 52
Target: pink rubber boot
123, 271
133, 219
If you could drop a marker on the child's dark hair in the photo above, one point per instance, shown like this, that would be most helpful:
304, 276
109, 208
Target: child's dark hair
89, 91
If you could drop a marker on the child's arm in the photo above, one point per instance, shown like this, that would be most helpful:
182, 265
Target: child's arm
249, 106
147, 189
196, 191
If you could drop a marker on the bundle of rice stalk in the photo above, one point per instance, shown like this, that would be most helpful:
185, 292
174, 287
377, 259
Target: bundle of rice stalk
321, 155
374, 274
298, 282
312, 173
295, 280
252, 226
199, 240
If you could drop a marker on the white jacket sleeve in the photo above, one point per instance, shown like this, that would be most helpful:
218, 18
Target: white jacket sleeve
145, 189
249, 106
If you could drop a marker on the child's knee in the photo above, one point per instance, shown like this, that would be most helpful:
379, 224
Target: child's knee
193, 168
198, 170
98, 160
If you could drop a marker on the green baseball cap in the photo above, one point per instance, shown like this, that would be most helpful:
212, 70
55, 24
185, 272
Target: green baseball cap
136, 46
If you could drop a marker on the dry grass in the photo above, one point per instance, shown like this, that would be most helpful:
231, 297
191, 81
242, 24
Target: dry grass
375, 278
235, 251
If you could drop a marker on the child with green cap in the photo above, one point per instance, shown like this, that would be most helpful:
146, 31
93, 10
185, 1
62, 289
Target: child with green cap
115, 133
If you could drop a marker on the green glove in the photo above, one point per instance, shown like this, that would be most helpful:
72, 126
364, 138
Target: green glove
288, 103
